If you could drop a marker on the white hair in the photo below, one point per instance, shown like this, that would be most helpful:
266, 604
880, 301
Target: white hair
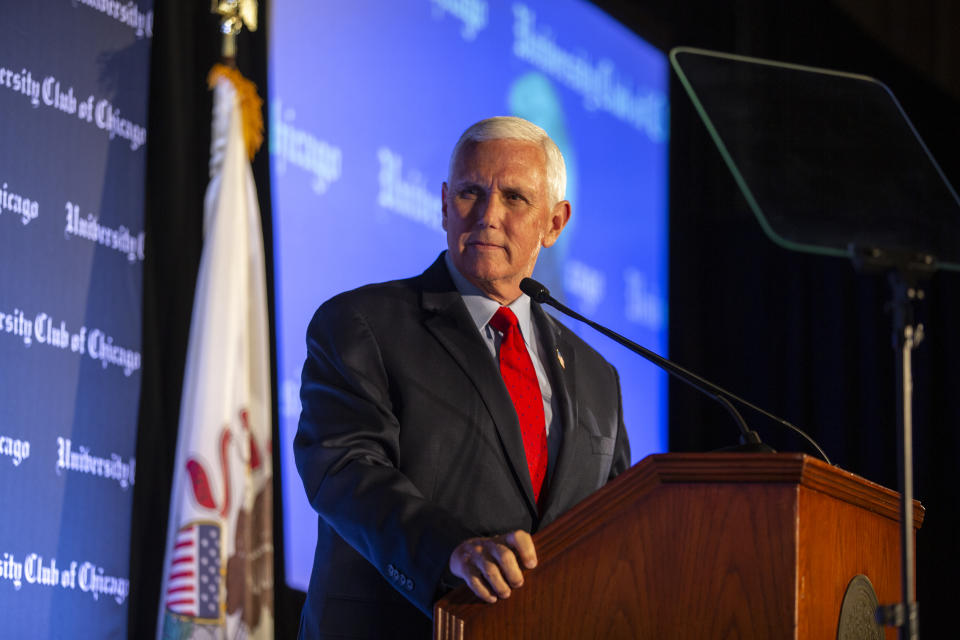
513, 128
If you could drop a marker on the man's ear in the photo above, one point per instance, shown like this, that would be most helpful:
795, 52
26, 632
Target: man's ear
559, 217
443, 206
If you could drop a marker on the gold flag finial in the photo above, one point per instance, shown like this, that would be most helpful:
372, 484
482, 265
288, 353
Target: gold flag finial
234, 14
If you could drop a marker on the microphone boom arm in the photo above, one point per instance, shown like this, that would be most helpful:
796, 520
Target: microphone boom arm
541, 294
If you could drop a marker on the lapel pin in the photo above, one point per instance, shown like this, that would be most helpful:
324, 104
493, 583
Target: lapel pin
560, 358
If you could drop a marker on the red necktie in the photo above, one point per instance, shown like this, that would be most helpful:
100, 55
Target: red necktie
521, 381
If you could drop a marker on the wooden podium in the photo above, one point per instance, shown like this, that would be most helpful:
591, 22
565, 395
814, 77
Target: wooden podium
715, 545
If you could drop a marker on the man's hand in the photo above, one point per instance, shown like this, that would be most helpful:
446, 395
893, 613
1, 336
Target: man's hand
490, 566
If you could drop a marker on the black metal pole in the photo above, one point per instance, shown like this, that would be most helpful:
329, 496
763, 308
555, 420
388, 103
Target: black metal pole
906, 336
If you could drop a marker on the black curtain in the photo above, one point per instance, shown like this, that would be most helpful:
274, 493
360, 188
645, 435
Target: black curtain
805, 337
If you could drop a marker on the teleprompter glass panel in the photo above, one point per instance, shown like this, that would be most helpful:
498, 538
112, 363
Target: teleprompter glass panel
826, 160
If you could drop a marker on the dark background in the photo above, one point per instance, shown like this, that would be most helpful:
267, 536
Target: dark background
804, 337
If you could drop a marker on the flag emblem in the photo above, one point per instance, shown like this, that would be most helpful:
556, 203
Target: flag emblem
193, 589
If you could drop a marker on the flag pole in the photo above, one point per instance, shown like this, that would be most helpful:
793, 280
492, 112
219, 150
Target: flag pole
234, 15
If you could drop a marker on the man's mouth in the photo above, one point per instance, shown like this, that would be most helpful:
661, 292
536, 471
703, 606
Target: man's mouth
482, 245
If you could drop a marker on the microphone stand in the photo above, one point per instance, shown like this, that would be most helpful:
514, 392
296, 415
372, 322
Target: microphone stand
749, 439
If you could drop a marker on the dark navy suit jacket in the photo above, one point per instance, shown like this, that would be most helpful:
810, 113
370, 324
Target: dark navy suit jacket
408, 444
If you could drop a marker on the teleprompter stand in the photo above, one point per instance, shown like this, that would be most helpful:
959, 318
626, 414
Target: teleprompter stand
830, 164
906, 273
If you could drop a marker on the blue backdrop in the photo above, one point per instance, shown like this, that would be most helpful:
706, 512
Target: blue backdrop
73, 99
366, 101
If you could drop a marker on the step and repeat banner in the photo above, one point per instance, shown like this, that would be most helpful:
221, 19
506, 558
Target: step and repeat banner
366, 101
73, 112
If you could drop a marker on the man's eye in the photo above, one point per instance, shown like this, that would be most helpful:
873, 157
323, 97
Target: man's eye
516, 197
469, 192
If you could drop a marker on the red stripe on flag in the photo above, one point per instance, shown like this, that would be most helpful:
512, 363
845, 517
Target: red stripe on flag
173, 603
182, 574
186, 587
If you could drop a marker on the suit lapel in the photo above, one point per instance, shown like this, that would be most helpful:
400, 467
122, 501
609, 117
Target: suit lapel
560, 356
447, 318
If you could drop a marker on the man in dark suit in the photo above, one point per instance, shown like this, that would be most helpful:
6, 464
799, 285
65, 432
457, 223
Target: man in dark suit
439, 430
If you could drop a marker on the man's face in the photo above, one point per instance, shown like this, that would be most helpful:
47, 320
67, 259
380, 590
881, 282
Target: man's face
498, 213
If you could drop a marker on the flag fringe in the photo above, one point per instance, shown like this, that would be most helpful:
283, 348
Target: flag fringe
251, 105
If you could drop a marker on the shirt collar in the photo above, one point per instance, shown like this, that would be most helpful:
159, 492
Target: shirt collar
482, 308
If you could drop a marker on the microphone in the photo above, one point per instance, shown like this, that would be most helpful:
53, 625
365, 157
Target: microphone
749, 439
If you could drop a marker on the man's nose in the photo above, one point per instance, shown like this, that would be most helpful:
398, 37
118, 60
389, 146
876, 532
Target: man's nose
489, 212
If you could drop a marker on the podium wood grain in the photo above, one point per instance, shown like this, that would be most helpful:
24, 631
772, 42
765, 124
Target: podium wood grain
700, 546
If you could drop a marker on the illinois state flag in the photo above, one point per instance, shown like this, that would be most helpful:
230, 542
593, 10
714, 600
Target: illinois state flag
218, 573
